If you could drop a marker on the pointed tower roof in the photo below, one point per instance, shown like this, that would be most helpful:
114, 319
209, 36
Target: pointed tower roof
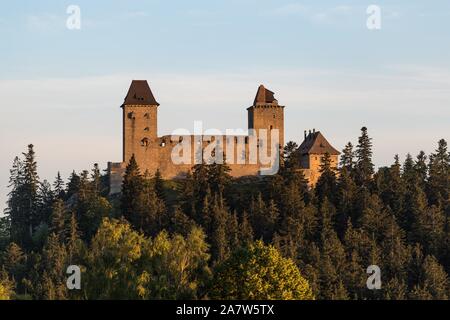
315, 143
140, 94
264, 96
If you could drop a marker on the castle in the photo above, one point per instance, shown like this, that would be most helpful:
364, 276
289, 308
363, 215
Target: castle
244, 153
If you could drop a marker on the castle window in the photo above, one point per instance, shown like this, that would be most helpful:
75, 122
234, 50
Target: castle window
274, 116
145, 142
147, 129
146, 115
271, 127
131, 115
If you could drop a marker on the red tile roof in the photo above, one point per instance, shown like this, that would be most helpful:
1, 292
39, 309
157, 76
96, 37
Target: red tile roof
315, 143
264, 96
140, 94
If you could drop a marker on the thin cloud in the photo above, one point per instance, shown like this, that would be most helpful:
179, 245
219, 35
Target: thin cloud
311, 13
44, 22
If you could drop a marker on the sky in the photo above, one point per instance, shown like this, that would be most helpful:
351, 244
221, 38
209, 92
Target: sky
61, 89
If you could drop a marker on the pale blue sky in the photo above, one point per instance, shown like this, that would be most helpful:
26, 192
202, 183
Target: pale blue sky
61, 89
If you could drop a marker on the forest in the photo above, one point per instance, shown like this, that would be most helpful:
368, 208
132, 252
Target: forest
211, 236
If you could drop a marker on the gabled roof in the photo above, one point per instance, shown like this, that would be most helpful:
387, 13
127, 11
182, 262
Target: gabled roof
140, 94
315, 143
264, 96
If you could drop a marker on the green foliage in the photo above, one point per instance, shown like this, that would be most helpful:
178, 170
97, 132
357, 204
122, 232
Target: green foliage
124, 264
259, 272
169, 235
6, 287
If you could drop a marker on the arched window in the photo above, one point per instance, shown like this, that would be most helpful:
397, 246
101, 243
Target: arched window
145, 142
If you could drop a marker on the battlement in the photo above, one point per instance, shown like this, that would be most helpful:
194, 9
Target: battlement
153, 152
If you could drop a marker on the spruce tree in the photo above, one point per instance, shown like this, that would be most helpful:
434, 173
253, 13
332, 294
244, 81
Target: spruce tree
348, 157
364, 168
74, 185
59, 186
159, 185
326, 186
59, 220
132, 186
439, 180
246, 230
23, 202
421, 168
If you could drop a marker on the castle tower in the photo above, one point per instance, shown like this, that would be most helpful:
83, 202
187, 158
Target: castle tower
140, 131
311, 152
265, 113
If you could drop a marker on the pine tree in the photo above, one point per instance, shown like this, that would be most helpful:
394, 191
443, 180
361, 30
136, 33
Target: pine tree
264, 217
73, 239
149, 210
132, 185
433, 281
96, 180
14, 211
347, 158
220, 248
159, 185
326, 186
421, 168
290, 158
14, 262
345, 200
246, 230
58, 220
59, 186
23, 203
46, 198
73, 186
54, 264
439, 181
179, 222
391, 187
364, 168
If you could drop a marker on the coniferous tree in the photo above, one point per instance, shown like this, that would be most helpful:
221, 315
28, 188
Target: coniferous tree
58, 220
73, 239
348, 157
439, 180
132, 185
246, 231
23, 202
14, 262
96, 180
159, 185
433, 281
74, 185
326, 186
220, 247
59, 186
364, 168
15, 212
421, 168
